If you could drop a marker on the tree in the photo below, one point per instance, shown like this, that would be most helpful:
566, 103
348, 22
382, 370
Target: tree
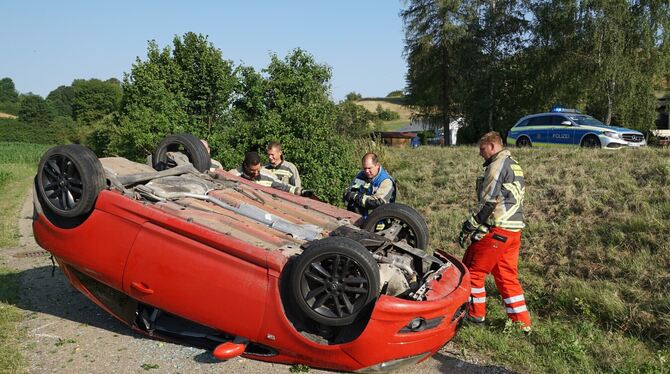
205, 79
353, 119
152, 107
93, 99
353, 96
290, 103
61, 100
33, 109
187, 88
432, 28
8, 93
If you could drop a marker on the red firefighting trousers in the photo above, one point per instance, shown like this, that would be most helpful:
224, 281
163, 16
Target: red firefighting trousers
496, 253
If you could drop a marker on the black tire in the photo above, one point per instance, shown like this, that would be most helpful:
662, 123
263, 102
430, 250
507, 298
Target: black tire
334, 280
188, 144
414, 228
523, 142
590, 141
69, 178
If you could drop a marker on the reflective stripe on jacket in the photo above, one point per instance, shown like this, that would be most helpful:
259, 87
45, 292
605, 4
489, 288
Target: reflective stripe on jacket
286, 172
266, 178
502, 186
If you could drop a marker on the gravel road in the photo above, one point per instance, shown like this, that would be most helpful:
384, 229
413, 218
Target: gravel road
67, 333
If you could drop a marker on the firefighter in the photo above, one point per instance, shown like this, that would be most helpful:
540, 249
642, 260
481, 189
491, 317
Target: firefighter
495, 232
282, 169
372, 187
251, 170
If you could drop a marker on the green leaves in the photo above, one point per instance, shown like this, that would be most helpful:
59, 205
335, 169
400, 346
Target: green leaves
493, 62
191, 88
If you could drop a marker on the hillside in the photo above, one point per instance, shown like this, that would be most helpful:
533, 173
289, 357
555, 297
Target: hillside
395, 104
595, 256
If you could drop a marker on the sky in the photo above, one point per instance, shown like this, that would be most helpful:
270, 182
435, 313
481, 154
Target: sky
47, 44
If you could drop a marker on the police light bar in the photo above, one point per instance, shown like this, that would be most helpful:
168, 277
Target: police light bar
560, 109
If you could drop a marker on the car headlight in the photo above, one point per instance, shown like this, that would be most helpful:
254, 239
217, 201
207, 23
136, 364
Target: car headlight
612, 134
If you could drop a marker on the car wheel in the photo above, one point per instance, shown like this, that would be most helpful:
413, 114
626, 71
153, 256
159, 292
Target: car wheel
591, 141
69, 178
523, 142
398, 222
187, 144
334, 280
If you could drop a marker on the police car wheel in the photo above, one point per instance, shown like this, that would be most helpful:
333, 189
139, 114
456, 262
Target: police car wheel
410, 225
591, 141
523, 142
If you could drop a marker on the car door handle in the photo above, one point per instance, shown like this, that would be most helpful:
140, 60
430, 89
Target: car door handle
141, 287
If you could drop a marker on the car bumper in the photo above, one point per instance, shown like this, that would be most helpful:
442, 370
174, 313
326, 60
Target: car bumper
611, 143
385, 343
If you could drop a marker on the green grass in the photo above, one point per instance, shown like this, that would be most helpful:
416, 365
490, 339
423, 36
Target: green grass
595, 257
18, 162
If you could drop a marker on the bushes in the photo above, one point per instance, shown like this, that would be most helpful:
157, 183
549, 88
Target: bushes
288, 101
386, 114
12, 130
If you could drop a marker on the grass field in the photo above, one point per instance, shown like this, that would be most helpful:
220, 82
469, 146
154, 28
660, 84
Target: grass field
18, 162
595, 256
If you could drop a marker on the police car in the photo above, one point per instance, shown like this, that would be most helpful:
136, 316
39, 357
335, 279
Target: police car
564, 126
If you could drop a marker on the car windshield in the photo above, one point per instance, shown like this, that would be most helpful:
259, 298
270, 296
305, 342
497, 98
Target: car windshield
585, 120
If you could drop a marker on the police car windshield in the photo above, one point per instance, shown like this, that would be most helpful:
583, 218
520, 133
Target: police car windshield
585, 120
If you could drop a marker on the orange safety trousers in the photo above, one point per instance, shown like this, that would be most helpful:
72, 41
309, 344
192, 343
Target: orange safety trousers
496, 253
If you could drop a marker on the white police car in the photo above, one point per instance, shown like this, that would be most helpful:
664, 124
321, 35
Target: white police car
569, 127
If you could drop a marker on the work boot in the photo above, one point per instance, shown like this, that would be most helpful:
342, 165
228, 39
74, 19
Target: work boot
476, 320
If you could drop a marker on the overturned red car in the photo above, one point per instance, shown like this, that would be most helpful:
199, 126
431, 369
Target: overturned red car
208, 259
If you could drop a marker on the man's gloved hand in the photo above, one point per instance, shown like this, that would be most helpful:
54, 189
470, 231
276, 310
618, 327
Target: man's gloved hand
466, 230
473, 230
350, 196
307, 193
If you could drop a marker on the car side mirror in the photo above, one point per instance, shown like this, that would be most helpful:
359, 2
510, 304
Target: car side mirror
566, 123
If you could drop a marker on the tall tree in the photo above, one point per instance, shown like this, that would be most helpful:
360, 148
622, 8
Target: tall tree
205, 79
93, 99
187, 88
8, 93
61, 100
431, 30
497, 32
33, 109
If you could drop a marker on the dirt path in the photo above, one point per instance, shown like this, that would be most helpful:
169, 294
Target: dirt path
67, 333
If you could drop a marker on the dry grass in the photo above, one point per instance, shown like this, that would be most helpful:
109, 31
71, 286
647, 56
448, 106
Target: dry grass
391, 104
6, 115
595, 257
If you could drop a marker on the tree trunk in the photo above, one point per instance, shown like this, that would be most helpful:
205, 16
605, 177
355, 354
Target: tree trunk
445, 92
610, 90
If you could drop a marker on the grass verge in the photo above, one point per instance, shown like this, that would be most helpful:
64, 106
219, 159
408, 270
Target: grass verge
595, 255
17, 168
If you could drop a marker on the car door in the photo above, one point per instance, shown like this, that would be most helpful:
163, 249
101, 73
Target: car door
537, 129
561, 134
172, 272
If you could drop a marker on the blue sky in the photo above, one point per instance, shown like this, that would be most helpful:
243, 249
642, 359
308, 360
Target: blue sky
47, 44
